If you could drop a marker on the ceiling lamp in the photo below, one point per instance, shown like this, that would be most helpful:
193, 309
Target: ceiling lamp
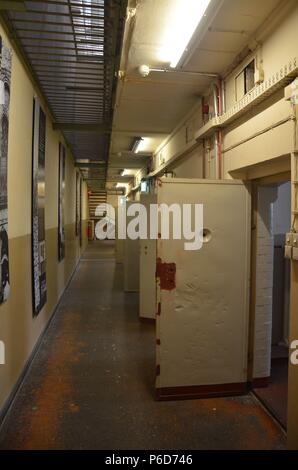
137, 144
184, 18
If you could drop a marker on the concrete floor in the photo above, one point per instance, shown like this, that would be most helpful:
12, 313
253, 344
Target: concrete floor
91, 385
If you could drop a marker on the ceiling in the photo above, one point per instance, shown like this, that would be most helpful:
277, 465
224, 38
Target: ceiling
154, 106
72, 48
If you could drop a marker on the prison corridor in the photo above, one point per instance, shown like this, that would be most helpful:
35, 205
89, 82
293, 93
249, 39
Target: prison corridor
91, 383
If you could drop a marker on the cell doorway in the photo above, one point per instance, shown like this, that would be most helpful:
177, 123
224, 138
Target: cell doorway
271, 278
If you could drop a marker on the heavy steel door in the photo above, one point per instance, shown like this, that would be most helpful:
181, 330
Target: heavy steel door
203, 296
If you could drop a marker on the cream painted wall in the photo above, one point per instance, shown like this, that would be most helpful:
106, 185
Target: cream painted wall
249, 149
18, 329
112, 199
181, 138
190, 166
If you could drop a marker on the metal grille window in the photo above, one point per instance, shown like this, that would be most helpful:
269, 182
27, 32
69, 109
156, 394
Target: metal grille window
73, 49
88, 31
245, 81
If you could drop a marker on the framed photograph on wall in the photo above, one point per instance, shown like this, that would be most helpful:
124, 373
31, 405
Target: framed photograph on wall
5, 77
38, 209
61, 196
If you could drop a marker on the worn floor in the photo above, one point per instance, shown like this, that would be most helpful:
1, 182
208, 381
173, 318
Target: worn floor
275, 396
91, 385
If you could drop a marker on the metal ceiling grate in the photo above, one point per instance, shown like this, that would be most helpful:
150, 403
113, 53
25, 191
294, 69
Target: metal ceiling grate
73, 48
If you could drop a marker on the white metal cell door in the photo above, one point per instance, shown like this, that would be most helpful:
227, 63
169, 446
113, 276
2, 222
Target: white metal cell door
203, 295
131, 259
148, 266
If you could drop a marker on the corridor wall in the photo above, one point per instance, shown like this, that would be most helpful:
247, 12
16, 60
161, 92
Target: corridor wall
19, 331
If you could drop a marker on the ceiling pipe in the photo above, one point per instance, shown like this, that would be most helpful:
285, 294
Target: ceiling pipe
145, 70
128, 153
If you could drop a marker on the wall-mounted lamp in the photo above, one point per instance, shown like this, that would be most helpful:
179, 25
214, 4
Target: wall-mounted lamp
137, 143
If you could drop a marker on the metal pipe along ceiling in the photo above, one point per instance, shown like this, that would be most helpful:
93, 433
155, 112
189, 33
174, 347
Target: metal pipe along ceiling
73, 48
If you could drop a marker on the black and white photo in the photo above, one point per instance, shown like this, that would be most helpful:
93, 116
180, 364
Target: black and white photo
38, 209
5, 75
61, 190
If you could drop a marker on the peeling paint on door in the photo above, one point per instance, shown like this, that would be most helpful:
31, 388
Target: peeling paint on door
166, 272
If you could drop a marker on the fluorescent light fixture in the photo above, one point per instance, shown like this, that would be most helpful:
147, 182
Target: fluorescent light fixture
183, 20
137, 144
127, 172
144, 186
123, 186
87, 160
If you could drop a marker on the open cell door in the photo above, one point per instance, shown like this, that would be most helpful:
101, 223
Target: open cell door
203, 295
131, 260
147, 308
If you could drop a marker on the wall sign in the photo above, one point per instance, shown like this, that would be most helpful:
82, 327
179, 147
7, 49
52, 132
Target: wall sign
38, 209
5, 76
61, 189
